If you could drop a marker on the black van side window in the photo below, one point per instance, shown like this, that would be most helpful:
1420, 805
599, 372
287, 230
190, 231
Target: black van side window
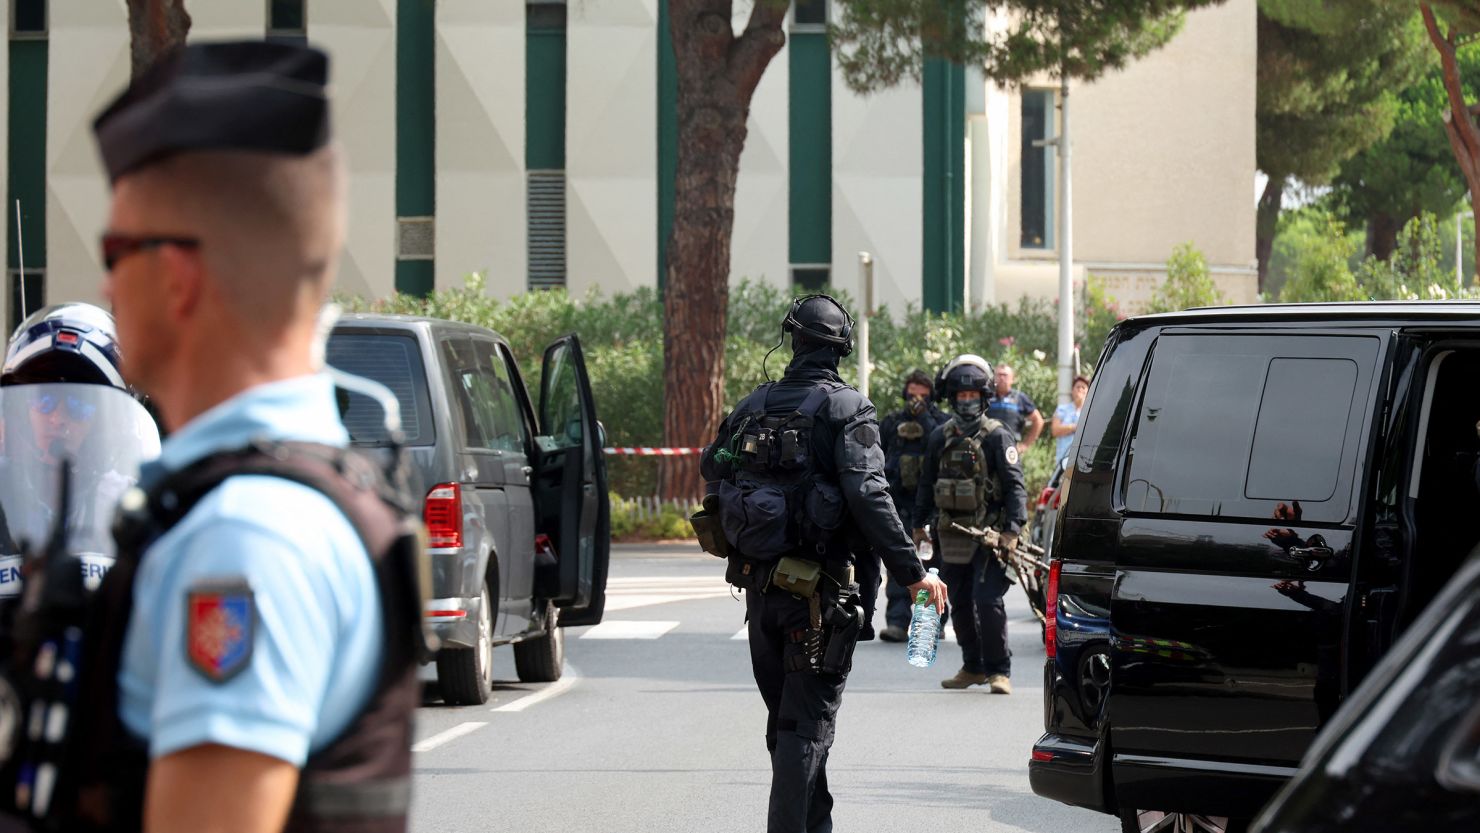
1297, 450
1232, 426
1192, 438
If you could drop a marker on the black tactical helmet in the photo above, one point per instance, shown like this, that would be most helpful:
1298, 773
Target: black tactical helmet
967, 371
820, 319
64, 343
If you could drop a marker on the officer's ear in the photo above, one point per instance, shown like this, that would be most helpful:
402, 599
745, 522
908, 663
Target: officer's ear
184, 280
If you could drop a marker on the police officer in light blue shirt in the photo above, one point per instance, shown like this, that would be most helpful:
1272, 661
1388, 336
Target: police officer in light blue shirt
314, 653
255, 639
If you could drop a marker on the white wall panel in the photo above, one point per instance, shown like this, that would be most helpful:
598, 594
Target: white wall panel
758, 246
611, 145
481, 214
878, 166
360, 37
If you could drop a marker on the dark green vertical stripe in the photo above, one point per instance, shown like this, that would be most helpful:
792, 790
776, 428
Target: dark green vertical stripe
544, 98
416, 130
667, 137
26, 167
810, 156
944, 115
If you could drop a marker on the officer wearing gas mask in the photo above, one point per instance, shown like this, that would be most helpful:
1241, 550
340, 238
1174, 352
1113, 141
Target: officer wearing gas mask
972, 477
798, 472
904, 435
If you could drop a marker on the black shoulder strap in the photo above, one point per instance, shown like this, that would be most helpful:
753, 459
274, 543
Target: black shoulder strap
813, 403
754, 402
336, 473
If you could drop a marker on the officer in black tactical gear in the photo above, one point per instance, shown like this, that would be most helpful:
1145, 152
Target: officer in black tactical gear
972, 477
797, 479
904, 435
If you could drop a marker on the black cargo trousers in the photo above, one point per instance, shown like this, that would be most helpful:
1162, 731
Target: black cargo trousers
801, 711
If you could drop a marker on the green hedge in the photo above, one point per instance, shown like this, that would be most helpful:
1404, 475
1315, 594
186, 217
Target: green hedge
623, 336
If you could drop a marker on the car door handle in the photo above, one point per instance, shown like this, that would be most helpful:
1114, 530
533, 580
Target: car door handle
1313, 556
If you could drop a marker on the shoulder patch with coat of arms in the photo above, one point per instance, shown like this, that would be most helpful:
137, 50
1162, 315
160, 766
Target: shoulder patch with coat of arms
220, 622
1012, 454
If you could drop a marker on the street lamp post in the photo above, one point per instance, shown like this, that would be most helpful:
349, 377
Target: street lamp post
866, 281
1066, 249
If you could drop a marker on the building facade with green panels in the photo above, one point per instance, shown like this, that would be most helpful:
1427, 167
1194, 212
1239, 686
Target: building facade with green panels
536, 143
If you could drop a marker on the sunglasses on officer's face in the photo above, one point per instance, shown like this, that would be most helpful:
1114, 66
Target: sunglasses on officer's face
78, 409
118, 246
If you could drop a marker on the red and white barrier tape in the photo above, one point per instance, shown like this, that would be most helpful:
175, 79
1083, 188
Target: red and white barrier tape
645, 451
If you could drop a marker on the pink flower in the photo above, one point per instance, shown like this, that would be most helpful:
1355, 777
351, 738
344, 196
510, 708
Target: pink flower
1006, 341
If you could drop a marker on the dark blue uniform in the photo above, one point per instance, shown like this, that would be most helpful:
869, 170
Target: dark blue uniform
802, 705
977, 588
896, 448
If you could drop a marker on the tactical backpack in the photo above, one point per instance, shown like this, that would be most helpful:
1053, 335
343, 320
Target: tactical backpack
964, 493
774, 503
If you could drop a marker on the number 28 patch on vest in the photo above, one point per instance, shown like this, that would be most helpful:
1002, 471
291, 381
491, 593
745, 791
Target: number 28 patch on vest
220, 620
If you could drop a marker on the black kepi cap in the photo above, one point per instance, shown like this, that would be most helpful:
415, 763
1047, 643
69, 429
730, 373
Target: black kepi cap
237, 95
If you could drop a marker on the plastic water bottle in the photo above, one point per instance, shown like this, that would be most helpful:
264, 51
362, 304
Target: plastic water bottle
924, 630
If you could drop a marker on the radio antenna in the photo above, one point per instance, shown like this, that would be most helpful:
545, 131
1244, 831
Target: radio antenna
20, 246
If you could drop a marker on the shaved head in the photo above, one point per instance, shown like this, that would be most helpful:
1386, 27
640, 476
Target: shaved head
270, 226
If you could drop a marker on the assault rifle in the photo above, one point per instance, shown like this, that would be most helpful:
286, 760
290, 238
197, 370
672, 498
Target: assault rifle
1025, 564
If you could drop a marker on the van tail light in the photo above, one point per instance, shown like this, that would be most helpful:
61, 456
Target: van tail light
1045, 496
1058, 495
1051, 611
443, 516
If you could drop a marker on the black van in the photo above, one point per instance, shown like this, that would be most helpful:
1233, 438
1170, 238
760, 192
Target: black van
1261, 499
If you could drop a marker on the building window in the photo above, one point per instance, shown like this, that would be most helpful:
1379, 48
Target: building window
1036, 207
810, 13
545, 14
287, 21
26, 300
27, 18
811, 278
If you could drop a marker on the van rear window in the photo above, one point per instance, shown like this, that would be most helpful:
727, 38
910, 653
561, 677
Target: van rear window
394, 361
1235, 426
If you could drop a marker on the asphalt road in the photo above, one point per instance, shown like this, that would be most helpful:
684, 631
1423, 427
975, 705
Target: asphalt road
657, 726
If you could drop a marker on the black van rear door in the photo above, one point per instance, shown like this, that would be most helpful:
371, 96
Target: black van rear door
1239, 505
571, 483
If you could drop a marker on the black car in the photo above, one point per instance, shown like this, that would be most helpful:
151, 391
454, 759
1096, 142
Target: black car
1403, 754
516, 507
1260, 500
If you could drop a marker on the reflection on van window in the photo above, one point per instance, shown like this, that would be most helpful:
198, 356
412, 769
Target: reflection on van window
1302, 427
1227, 428
562, 403
1191, 447
393, 361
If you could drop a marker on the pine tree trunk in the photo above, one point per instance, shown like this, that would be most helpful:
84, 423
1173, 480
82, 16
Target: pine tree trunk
1459, 119
1266, 223
717, 74
1382, 235
155, 27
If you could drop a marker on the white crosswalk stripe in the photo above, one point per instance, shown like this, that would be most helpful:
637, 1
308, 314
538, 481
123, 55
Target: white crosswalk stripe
627, 629
628, 593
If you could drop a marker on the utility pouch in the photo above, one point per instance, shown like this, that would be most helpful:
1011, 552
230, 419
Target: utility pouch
747, 573
955, 548
796, 575
959, 495
845, 623
708, 530
909, 471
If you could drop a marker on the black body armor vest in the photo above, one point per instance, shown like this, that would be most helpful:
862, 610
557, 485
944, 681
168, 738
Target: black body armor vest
361, 781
